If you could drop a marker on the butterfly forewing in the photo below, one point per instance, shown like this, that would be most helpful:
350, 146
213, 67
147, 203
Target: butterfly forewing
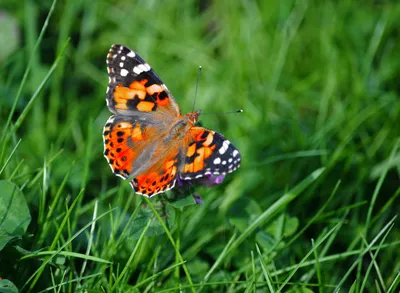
134, 87
209, 153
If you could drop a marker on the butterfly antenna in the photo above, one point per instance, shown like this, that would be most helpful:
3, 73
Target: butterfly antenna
229, 112
197, 86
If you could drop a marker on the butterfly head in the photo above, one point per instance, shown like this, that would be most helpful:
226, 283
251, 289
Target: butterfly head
194, 116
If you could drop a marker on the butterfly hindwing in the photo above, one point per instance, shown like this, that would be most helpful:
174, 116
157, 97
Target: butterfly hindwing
121, 137
134, 149
134, 87
129, 143
157, 180
209, 152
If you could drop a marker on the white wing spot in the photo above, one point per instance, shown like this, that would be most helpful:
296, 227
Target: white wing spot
198, 176
230, 160
224, 147
223, 162
217, 161
235, 153
124, 72
145, 67
136, 70
131, 54
121, 64
123, 58
141, 68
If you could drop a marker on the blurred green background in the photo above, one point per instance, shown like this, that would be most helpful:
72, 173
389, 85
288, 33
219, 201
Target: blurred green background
319, 85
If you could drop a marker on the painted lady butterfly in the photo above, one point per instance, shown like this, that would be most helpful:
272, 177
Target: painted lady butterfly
148, 139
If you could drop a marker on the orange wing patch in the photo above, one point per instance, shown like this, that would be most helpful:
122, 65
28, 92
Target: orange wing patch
153, 183
143, 98
119, 138
201, 147
199, 151
198, 158
137, 134
145, 106
123, 94
191, 150
209, 139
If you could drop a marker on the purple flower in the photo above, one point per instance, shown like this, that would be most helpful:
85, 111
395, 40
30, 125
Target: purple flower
207, 180
197, 198
212, 180
184, 185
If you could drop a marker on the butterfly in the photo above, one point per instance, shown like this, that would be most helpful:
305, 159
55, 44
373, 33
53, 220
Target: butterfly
147, 139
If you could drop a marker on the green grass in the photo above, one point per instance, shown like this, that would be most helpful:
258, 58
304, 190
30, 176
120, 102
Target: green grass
313, 207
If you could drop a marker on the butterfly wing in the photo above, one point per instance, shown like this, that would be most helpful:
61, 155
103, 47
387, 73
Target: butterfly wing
135, 148
134, 137
134, 87
160, 178
208, 152
125, 144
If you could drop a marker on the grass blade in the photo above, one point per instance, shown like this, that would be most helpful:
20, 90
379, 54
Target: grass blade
172, 242
131, 257
266, 215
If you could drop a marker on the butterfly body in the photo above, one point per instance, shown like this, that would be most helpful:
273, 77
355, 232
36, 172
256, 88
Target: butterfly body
148, 139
